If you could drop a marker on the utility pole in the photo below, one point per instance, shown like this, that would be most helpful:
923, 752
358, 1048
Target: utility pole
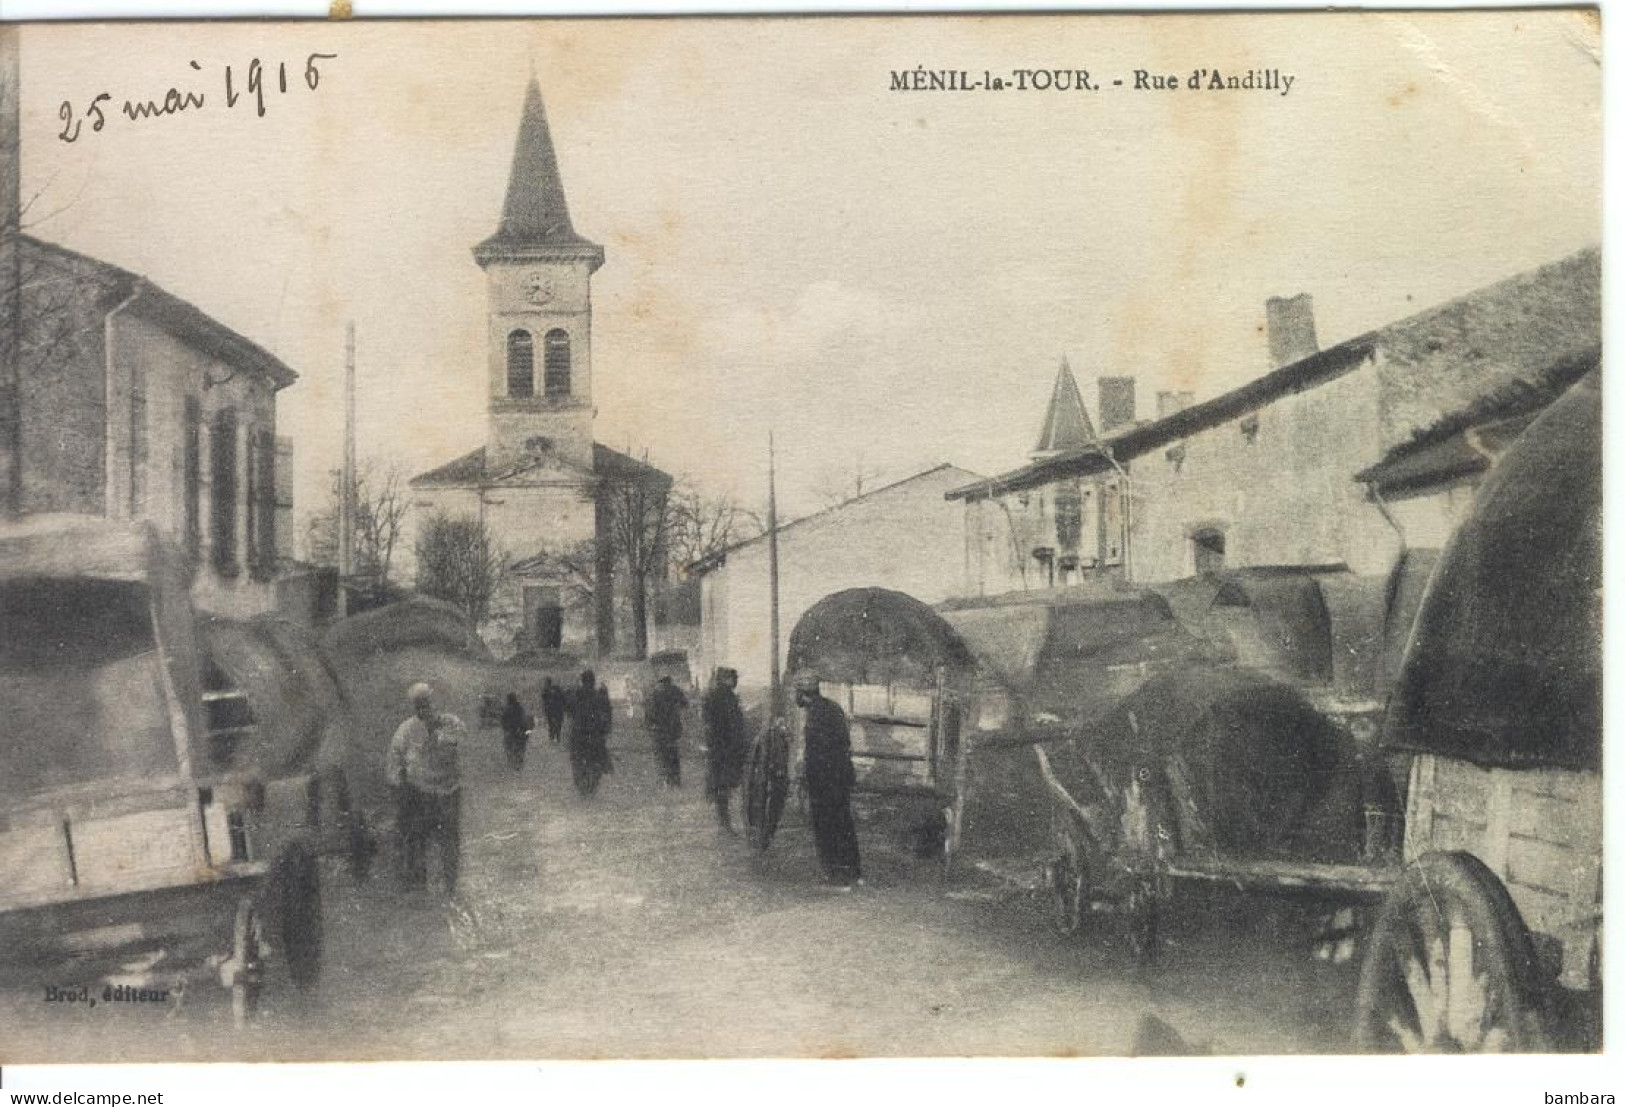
347, 476
776, 695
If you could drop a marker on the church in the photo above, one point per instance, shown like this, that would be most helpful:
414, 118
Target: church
572, 516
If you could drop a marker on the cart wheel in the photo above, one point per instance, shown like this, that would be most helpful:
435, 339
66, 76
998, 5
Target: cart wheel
1450, 967
1067, 895
298, 888
247, 963
1140, 911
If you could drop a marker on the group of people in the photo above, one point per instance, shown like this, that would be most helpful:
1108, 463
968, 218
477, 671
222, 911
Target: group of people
422, 762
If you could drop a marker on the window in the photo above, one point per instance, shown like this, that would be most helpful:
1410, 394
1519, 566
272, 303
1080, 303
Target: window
1069, 517
1207, 548
261, 474
521, 365
556, 364
138, 449
1111, 524
192, 475
223, 491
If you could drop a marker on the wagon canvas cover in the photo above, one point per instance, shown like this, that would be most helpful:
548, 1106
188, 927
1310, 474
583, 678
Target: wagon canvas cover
1505, 665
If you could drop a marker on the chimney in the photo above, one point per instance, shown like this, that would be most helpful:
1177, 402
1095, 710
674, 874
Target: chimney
1172, 403
1291, 324
1116, 403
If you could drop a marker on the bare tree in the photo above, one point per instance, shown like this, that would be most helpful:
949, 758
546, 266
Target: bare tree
381, 508
460, 562
640, 531
835, 484
701, 525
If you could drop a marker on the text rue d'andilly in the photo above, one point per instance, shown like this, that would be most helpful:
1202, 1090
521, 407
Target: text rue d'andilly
920, 79
252, 86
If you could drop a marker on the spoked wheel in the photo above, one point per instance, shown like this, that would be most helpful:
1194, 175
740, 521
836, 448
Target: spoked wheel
767, 787
1450, 967
1067, 895
245, 972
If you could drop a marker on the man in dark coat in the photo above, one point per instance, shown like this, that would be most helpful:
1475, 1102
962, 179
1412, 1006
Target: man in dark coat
588, 730
554, 702
724, 723
666, 706
516, 724
827, 763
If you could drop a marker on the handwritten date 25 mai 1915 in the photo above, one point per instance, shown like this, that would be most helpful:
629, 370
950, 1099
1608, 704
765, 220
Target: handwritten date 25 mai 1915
252, 85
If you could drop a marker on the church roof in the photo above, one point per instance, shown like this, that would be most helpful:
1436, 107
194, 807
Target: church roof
1066, 423
470, 470
535, 215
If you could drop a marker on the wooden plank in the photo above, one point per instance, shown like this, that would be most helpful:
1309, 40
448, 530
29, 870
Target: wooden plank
1452, 833
872, 737
1561, 821
1497, 822
911, 705
1460, 790
889, 775
109, 852
871, 699
1259, 873
33, 859
1562, 784
1561, 870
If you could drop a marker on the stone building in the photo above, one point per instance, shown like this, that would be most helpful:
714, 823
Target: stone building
1320, 462
548, 494
904, 536
133, 404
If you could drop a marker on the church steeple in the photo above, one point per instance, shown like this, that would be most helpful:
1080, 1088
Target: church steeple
1066, 423
538, 273
535, 215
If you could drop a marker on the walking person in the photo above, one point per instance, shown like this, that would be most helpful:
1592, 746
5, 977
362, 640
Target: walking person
827, 763
666, 706
422, 771
724, 722
587, 732
516, 727
554, 702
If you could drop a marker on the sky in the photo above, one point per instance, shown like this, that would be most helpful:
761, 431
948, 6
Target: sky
884, 279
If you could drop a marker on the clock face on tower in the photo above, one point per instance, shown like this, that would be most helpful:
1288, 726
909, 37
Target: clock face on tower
538, 288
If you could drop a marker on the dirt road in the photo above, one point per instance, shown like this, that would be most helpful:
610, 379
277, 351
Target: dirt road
628, 926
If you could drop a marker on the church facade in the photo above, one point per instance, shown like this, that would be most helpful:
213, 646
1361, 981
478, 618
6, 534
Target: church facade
565, 509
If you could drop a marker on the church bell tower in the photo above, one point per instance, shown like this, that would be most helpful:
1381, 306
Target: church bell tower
539, 281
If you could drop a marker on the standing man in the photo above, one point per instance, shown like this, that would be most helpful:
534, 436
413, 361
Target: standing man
724, 723
666, 706
421, 768
588, 731
553, 704
516, 727
827, 763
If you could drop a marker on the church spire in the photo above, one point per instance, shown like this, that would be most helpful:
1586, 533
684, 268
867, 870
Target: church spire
1066, 423
535, 215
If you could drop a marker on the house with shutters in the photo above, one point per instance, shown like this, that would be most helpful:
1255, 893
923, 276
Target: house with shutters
131, 403
1340, 458
562, 507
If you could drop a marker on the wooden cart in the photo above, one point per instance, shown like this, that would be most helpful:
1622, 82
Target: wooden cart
1488, 919
147, 834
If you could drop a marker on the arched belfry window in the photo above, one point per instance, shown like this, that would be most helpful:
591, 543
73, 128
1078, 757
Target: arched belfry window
556, 363
521, 364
